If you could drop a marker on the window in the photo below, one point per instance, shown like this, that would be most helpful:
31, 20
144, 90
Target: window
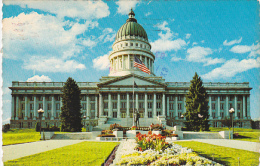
31, 106
141, 105
150, 114
114, 97
179, 114
22, 115
126, 44
114, 114
131, 104
123, 105
222, 114
141, 45
150, 105
105, 96
92, 106
136, 44
222, 98
131, 44
149, 97
57, 115
114, 105
23, 98
57, 106
22, 106
92, 98
122, 115
179, 98
158, 97
158, 105
58, 98
238, 114
105, 105
30, 115
171, 97
171, 106
231, 98
238, 106
121, 45
213, 115
31, 98
130, 96
230, 106
213, 106
83, 98
40, 98
213, 98
141, 96
179, 106
222, 106
49, 106
123, 97
84, 106
40, 106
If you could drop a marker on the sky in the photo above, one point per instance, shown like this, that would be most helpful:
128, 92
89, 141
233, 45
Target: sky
53, 40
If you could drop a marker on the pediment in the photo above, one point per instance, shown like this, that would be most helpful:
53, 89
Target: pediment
128, 81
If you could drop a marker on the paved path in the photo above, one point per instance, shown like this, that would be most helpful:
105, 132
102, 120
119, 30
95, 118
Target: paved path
21, 150
244, 145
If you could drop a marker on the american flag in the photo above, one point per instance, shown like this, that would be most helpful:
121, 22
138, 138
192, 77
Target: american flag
138, 63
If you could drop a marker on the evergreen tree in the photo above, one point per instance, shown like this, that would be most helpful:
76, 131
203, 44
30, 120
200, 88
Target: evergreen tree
197, 106
71, 115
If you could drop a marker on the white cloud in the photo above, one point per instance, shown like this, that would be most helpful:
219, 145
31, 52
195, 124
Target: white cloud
232, 67
38, 78
241, 49
101, 62
108, 35
74, 9
194, 43
147, 14
232, 42
41, 36
124, 7
188, 36
199, 54
175, 58
202, 41
166, 41
53, 65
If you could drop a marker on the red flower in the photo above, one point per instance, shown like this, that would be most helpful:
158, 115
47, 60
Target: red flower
149, 132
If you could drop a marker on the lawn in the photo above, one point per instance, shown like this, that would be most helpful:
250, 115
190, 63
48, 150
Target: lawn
223, 155
16, 136
84, 153
248, 136
235, 129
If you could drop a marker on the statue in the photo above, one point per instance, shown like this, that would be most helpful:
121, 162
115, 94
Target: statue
136, 118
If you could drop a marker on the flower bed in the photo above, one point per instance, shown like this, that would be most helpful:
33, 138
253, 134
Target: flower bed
116, 126
152, 150
106, 135
157, 127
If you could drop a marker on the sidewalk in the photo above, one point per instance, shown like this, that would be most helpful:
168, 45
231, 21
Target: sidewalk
21, 150
244, 145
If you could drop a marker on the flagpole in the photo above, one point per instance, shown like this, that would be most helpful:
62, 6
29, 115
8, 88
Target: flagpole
133, 94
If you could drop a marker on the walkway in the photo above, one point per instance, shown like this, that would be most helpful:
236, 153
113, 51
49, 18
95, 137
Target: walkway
244, 145
21, 150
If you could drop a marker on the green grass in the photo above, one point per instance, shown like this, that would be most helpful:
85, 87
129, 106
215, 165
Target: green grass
248, 136
16, 136
223, 155
84, 153
235, 129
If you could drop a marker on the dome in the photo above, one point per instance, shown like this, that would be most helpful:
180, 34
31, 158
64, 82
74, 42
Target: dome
131, 28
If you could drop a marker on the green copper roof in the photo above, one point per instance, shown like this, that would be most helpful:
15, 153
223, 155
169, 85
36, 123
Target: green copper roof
131, 28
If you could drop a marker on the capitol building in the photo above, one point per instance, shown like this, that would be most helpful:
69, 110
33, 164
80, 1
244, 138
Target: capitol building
111, 99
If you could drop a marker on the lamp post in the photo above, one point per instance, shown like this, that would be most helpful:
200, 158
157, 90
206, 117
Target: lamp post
231, 111
40, 112
182, 117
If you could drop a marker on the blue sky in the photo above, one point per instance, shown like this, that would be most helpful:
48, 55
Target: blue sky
54, 40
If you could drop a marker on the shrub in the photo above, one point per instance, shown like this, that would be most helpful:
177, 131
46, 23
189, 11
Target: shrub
115, 126
106, 135
133, 128
157, 127
106, 132
166, 132
6, 128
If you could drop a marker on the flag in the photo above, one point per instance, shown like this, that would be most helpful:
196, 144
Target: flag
138, 63
135, 85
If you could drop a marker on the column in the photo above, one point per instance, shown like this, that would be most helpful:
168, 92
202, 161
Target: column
219, 107
210, 109
109, 104
176, 107
117, 64
123, 66
100, 105
136, 101
35, 107
44, 108
163, 105
118, 105
12, 113
52, 107
145, 106
227, 111
244, 107
25, 108
88, 109
128, 62
168, 107
127, 104
96, 106
17, 108
145, 61
149, 64
248, 107
154, 105
152, 66
236, 107
184, 104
